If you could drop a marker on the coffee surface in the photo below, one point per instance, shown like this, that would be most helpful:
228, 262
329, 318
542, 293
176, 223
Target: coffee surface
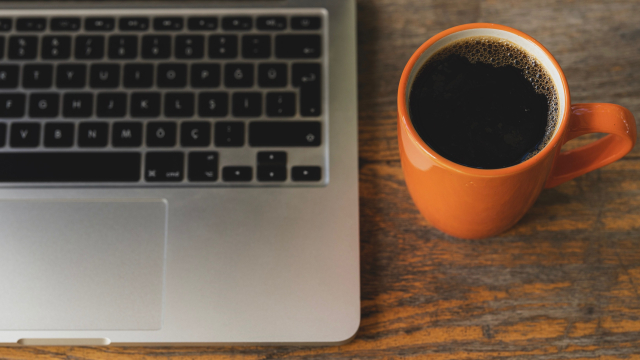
484, 103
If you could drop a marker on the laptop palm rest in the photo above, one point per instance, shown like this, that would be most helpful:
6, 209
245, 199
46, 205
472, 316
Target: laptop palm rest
82, 264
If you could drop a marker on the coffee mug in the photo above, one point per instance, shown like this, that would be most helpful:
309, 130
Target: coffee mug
475, 203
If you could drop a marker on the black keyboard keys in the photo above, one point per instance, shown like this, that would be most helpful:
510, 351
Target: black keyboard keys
281, 104
172, 75
105, 75
24, 135
237, 23
238, 75
203, 23
58, 134
93, 134
213, 104
178, 104
99, 24
3, 133
6, 24
272, 158
89, 47
9, 76
164, 166
256, 46
56, 47
195, 133
229, 133
1, 47
203, 166
145, 104
298, 46
133, 23
111, 104
12, 105
123, 47
272, 75
307, 77
247, 104
126, 134
205, 75
138, 75
65, 24
156, 47
168, 23
71, 75
189, 46
223, 46
77, 105
37, 76
306, 173
271, 23
31, 24
285, 133
161, 134
305, 22
43, 105
23, 47
237, 173
272, 173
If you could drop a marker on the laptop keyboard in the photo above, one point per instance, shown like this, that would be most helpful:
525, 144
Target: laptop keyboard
181, 97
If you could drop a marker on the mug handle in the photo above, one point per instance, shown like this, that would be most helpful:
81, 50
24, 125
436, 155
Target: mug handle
612, 119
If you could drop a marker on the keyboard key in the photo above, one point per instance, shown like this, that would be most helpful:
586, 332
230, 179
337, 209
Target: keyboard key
1, 47
205, 75
307, 77
229, 133
126, 134
247, 104
89, 47
306, 173
93, 134
77, 105
105, 75
56, 47
284, 133
178, 104
58, 134
195, 133
203, 23
164, 166
272, 75
24, 135
189, 46
237, 173
167, 23
237, 23
23, 47
71, 76
111, 104
123, 47
172, 75
65, 24
133, 23
12, 105
238, 75
272, 158
70, 167
161, 134
99, 24
145, 104
272, 173
42, 105
3, 134
138, 75
213, 104
37, 76
298, 46
31, 24
6, 24
9, 76
156, 47
256, 46
305, 22
281, 104
203, 166
271, 23
223, 46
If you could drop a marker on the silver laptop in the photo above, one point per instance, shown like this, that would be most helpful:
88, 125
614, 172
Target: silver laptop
178, 173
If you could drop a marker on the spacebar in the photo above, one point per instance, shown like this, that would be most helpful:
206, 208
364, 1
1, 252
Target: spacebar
70, 167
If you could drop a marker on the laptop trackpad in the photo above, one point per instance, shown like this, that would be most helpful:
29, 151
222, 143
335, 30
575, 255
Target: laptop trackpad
82, 264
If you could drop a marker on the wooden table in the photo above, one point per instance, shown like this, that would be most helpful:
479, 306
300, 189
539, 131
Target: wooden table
563, 283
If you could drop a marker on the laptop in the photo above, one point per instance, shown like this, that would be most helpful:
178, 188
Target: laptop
178, 173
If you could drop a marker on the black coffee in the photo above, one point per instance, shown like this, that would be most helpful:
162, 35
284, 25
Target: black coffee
484, 102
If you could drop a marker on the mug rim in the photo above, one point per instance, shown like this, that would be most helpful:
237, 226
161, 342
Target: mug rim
405, 119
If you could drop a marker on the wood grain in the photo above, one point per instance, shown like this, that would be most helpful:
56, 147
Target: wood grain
562, 284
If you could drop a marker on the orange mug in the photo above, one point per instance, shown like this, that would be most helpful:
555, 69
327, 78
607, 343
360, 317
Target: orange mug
476, 203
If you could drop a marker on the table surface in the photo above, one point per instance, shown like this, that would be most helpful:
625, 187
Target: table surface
563, 283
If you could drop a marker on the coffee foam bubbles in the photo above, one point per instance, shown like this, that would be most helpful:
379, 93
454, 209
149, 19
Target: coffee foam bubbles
500, 52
